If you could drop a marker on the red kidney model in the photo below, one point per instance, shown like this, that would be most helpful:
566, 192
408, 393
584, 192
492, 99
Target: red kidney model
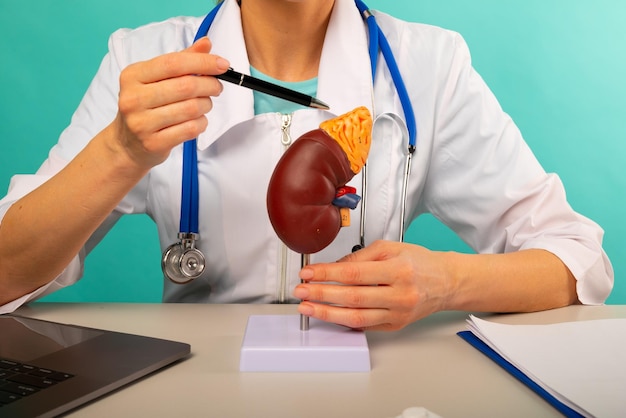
309, 175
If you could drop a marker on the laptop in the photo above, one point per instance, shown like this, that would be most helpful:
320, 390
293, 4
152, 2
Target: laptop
49, 368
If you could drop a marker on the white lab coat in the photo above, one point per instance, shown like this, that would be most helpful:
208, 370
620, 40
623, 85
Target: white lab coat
472, 169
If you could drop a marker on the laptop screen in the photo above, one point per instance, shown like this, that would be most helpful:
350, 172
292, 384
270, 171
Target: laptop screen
24, 340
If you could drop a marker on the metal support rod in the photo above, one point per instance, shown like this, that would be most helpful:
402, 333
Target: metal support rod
363, 205
304, 320
405, 186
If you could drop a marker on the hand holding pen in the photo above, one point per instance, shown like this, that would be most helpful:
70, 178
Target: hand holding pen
162, 104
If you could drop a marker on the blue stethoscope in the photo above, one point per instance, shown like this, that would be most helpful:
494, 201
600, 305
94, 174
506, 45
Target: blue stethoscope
182, 262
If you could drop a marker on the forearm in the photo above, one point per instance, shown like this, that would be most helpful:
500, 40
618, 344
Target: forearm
42, 232
523, 281
162, 103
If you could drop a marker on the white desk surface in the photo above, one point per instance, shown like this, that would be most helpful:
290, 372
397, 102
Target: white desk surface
425, 364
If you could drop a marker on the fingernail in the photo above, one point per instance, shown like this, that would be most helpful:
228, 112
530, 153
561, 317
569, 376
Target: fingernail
301, 292
306, 274
306, 309
222, 64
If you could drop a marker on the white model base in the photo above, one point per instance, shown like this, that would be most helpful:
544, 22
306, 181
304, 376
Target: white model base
275, 343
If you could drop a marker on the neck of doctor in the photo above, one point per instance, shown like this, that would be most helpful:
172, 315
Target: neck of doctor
284, 38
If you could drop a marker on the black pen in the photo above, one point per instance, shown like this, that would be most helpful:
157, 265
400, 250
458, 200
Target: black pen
272, 89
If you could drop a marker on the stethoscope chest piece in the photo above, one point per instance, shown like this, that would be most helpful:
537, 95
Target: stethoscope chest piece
183, 262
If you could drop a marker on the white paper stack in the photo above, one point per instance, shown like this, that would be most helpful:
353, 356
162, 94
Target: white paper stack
582, 364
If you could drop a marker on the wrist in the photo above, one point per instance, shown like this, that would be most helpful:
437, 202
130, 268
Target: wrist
119, 154
455, 274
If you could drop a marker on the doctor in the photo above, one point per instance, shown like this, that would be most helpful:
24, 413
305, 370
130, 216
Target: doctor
122, 154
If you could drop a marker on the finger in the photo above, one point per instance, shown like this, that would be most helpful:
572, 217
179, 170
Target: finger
195, 60
168, 92
177, 113
368, 266
174, 135
348, 296
159, 123
143, 119
361, 319
181, 88
350, 273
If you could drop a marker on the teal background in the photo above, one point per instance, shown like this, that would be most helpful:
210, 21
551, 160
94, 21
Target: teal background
557, 66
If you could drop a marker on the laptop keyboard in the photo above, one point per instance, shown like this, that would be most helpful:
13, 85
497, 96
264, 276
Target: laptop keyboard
18, 380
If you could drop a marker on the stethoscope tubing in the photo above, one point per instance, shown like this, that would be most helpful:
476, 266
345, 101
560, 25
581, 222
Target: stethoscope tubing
378, 41
189, 209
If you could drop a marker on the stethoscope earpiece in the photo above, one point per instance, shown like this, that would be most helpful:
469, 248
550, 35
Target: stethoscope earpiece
183, 262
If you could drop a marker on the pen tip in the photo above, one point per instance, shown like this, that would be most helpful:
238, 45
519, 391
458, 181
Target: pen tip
318, 104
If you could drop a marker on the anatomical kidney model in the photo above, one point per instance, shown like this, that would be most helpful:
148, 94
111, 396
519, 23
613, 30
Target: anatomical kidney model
303, 190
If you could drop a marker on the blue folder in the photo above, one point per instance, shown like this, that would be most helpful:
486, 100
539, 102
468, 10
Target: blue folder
517, 373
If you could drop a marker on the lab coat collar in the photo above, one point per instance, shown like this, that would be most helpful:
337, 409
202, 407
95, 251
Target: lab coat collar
344, 79
235, 104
